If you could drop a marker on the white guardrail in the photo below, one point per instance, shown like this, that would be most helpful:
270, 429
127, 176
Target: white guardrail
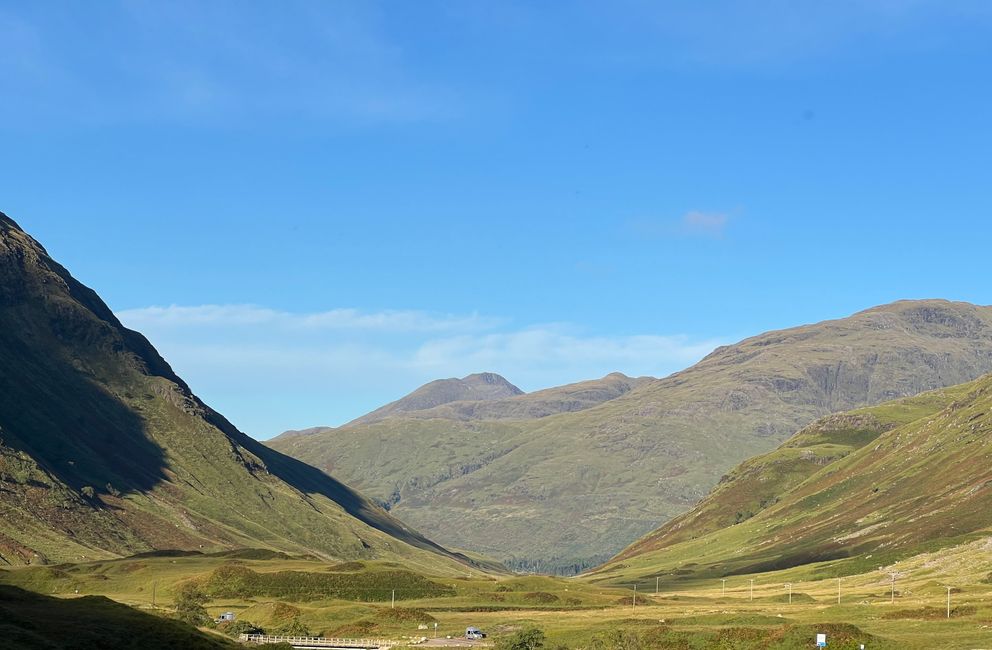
327, 642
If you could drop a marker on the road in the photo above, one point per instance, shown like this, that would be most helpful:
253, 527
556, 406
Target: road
457, 642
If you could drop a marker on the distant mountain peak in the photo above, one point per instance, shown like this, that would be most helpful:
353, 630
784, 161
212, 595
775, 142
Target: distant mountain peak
491, 379
482, 386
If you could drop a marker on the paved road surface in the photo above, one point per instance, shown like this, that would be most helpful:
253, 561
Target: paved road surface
454, 643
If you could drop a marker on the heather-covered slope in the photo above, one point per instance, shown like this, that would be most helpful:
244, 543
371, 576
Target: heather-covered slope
105, 451
882, 482
573, 488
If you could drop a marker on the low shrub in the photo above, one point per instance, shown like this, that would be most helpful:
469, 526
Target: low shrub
540, 597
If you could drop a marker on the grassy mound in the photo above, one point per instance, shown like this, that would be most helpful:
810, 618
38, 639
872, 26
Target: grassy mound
784, 637
403, 615
797, 597
236, 581
736, 620
41, 579
931, 613
252, 554
270, 614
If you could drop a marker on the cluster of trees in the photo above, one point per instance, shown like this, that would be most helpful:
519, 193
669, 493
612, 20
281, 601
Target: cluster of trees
189, 601
533, 638
555, 566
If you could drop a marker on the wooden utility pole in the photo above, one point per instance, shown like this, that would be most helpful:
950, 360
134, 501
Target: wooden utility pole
789, 586
838, 591
893, 597
752, 589
723, 592
634, 601
656, 579
393, 606
949, 602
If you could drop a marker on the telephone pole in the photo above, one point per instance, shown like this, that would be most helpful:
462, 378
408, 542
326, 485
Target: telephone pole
838, 591
892, 599
723, 593
752, 589
789, 586
949, 602
393, 606
656, 579
634, 601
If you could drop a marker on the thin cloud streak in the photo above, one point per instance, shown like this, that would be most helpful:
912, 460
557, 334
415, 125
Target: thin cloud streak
695, 223
270, 370
704, 223
178, 316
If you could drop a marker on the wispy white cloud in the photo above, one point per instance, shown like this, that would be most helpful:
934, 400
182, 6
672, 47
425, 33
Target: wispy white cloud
271, 370
179, 316
217, 63
704, 223
553, 347
695, 223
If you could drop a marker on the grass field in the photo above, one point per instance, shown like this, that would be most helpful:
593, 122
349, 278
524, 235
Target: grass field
574, 613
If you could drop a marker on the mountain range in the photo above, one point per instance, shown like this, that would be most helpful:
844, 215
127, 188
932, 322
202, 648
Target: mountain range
848, 493
562, 479
105, 452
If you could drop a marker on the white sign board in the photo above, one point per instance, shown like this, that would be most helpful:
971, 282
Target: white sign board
821, 640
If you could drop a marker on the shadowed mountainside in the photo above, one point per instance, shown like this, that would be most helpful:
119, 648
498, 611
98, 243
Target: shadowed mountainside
105, 451
572, 488
35, 621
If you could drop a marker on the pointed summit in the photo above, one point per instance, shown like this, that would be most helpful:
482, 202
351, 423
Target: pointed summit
482, 386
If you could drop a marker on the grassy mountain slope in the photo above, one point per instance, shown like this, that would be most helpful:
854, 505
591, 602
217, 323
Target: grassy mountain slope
879, 483
573, 488
760, 482
105, 451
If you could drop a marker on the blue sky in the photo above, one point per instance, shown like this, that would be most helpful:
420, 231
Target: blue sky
313, 207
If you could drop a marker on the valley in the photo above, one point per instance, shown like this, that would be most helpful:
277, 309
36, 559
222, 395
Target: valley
516, 325
697, 613
129, 504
